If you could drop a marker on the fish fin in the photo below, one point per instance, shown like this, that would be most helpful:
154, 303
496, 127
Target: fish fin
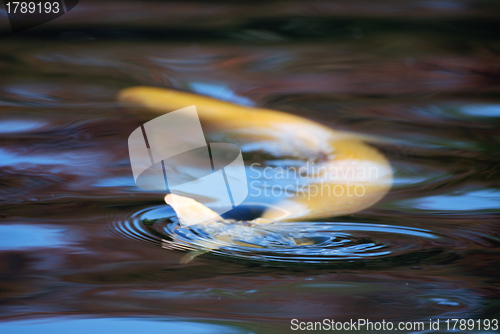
191, 212
191, 255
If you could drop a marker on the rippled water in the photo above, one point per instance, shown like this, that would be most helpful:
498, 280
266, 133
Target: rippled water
279, 244
82, 247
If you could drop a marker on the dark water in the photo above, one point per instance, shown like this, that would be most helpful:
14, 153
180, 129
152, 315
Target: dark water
82, 249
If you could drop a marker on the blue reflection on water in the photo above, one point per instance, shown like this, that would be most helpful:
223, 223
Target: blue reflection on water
7, 158
486, 110
117, 181
220, 92
12, 126
475, 112
112, 325
459, 201
26, 236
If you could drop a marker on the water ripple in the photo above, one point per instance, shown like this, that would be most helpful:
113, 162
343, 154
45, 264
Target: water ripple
285, 242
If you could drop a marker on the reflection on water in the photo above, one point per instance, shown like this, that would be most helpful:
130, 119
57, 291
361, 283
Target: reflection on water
83, 326
29, 236
82, 247
478, 200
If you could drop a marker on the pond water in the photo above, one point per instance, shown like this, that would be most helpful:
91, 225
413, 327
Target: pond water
82, 249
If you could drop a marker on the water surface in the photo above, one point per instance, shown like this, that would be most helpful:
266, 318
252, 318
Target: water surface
82, 247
